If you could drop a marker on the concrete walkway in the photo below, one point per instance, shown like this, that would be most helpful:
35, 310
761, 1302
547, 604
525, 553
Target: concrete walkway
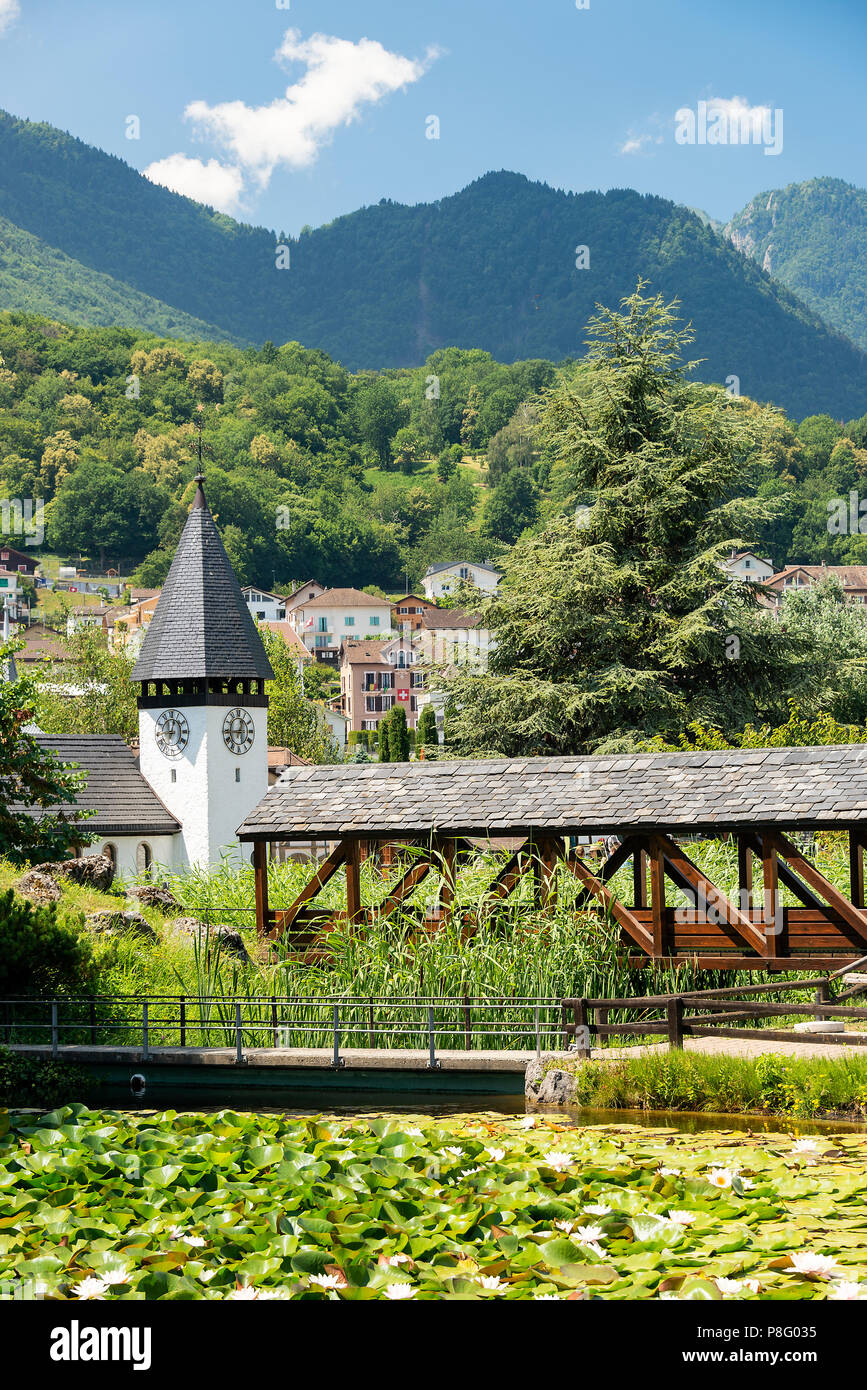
737, 1047
302, 1058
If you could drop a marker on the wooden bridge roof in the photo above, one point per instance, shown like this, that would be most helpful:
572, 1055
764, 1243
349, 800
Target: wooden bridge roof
810, 788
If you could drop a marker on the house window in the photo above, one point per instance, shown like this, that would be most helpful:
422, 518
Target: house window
416, 680
349, 621
747, 565
374, 622
321, 641
281, 614
261, 614
465, 574
110, 852
143, 858
322, 625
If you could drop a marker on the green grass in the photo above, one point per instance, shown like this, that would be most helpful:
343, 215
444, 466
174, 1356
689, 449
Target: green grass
812, 1087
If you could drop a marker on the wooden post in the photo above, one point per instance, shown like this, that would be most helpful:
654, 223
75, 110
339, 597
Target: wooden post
549, 849
745, 875
770, 898
657, 900
674, 1012
446, 847
260, 869
639, 878
856, 868
353, 880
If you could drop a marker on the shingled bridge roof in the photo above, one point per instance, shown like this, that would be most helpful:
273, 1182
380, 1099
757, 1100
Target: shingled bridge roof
811, 788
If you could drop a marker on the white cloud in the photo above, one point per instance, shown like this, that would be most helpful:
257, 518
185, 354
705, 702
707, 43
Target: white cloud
9, 12
219, 185
341, 77
636, 143
738, 114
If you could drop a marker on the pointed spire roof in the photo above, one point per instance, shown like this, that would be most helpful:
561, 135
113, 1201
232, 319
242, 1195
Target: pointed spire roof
201, 627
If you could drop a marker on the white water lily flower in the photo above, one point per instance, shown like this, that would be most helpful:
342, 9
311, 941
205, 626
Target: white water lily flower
399, 1291
589, 1235
495, 1154
272, 1294
682, 1218
595, 1247
527, 1122
452, 1149
598, 1209
115, 1276
669, 1172
244, 1295
415, 1133
206, 1275
806, 1146
546, 1298
195, 1241
821, 1265
746, 1183
567, 1226
720, 1177
328, 1281
848, 1289
91, 1288
559, 1161
399, 1259
736, 1285
492, 1282
175, 1232
470, 1172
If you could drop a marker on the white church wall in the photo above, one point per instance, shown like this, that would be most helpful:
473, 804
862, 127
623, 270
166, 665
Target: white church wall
128, 852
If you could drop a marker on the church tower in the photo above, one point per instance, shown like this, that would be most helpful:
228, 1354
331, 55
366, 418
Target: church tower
203, 711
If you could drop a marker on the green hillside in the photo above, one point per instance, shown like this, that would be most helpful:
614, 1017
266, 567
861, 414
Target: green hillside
813, 238
492, 267
42, 280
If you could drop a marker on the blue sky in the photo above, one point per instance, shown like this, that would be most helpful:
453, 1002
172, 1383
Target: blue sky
580, 98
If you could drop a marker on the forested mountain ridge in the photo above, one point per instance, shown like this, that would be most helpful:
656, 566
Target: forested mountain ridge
491, 267
812, 237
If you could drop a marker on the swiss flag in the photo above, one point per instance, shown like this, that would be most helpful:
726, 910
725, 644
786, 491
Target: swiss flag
309, 622
403, 696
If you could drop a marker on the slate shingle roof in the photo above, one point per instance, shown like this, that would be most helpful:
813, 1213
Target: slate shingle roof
202, 625
682, 792
124, 802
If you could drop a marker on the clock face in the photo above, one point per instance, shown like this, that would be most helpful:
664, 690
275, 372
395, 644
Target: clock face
172, 733
238, 731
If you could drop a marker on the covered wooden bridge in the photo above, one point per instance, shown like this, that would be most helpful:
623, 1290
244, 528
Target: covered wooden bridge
757, 799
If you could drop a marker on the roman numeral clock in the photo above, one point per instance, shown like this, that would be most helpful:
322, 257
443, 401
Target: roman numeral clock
239, 731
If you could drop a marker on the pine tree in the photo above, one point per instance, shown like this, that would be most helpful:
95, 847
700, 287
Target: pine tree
617, 622
384, 740
426, 733
398, 736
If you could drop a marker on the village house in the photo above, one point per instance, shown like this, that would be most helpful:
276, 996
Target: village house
448, 577
749, 567
408, 612
12, 595
374, 677
853, 578
337, 616
285, 630
304, 593
264, 607
450, 637
17, 560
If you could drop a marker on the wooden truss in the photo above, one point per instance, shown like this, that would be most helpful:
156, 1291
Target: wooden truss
754, 933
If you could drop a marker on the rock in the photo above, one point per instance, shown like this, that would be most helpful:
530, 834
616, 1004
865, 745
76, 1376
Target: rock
38, 887
155, 895
551, 1087
92, 871
109, 923
230, 939
827, 1025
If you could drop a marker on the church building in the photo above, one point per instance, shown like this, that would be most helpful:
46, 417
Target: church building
203, 731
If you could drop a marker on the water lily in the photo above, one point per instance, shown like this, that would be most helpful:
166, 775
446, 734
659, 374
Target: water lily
175, 1232
328, 1281
589, 1235
244, 1294
528, 1122
746, 1183
414, 1133
399, 1291
847, 1289
720, 1177
598, 1209
546, 1298
682, 1218
454, 1151
567, 1226
390, 1261
195, 1241
90, 1287
559, 1161
495, 1154
115, 1275
737, 1285
820, 1266
492, 1282
669, 1172
806, 1146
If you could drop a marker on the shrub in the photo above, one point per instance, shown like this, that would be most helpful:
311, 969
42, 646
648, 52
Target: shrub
41, 954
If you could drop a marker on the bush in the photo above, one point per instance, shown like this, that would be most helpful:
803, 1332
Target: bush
41, 954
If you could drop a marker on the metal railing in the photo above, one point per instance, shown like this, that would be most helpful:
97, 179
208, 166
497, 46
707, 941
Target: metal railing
171, 1023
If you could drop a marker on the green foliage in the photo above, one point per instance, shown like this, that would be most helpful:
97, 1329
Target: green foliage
616, 622
40, 954
106, 703
36, 1084
293, 720
426, 734
398, 735
31, 776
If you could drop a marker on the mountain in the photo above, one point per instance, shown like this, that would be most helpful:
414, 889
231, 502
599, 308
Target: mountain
492, 267
813, 238
42, 280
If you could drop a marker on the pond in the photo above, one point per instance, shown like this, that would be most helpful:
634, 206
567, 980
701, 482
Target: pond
359, 1205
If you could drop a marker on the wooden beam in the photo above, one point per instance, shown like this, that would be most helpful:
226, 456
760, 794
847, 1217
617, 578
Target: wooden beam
656, 857
354, 910
639, 877
771, 905
622, 915
745, 873
551, 850
326, 870
685, 872
853, 916
445, 847
508, 877
787, 878
404, 888
260, 870
856, 867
